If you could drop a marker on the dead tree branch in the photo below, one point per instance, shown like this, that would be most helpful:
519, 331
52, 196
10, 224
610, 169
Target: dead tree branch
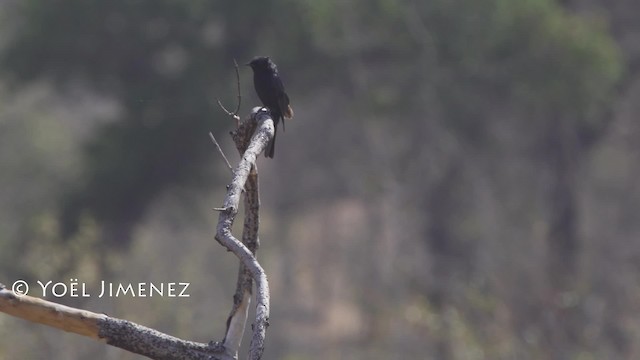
245, 177
116, 332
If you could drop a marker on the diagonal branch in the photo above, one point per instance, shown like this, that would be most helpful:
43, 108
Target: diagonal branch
224, 157
116, 332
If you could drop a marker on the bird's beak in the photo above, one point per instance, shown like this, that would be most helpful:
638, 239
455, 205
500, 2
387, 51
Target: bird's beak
247, 64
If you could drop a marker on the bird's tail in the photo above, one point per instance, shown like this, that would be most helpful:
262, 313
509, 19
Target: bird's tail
288, 112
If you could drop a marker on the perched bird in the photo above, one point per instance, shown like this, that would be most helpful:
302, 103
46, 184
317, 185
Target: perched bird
271, 92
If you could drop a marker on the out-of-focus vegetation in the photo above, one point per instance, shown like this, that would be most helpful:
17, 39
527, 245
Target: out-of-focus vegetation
459, 181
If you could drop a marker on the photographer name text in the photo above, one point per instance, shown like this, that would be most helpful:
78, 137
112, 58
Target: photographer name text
74, 288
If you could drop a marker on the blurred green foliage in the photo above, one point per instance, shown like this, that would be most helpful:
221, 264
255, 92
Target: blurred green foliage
157, 59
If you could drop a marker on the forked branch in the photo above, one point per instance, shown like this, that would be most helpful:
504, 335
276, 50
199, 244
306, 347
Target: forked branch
259, 129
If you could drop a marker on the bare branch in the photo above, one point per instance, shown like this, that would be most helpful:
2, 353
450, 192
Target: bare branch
220, 150
242, 297
227, 111
238, 86
116, 332
224, 235
234, 114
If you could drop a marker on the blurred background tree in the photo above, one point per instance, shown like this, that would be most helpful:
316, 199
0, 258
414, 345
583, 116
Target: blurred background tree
458, 182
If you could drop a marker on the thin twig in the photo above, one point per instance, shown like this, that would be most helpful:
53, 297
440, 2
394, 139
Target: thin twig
213, 138
238, 85
224, 108
234, 114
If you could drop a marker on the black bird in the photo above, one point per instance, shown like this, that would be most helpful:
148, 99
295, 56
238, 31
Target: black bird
271, 92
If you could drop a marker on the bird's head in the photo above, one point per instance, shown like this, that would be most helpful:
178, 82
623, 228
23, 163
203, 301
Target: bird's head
260, 62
